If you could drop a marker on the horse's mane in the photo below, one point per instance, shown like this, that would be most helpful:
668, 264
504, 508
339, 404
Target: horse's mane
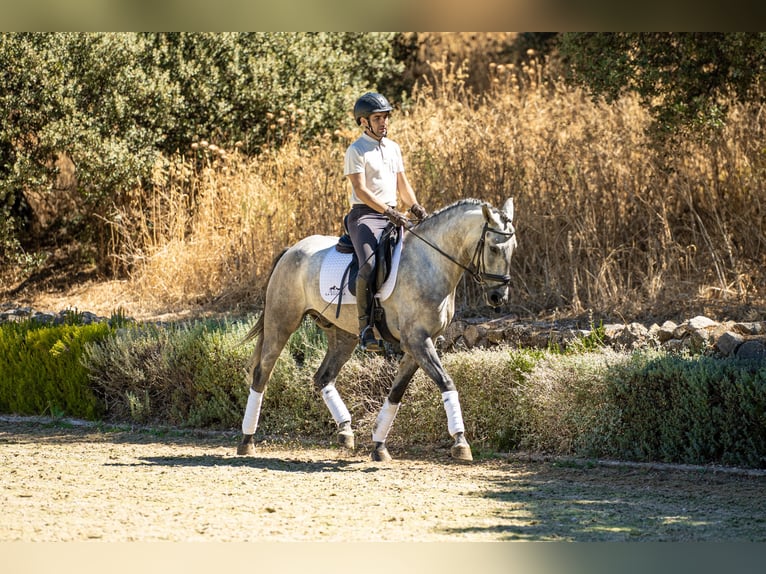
464, 202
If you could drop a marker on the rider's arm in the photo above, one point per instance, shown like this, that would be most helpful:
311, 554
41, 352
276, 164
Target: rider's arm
406, 193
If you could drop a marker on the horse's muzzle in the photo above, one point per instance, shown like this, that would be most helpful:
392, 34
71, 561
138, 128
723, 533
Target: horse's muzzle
497, 297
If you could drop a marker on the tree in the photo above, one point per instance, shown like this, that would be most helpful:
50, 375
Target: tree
685, 79
114, 102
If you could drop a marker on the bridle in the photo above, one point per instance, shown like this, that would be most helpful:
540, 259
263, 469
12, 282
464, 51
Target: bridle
476, 268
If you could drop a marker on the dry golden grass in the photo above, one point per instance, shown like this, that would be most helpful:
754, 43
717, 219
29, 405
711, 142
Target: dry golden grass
605, 220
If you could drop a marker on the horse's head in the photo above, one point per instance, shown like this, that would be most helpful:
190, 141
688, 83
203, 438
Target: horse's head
494, 253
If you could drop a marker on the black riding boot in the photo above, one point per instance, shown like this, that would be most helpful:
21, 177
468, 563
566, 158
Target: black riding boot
367, 340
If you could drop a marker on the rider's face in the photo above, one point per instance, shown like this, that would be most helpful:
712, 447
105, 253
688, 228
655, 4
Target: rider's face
378, 123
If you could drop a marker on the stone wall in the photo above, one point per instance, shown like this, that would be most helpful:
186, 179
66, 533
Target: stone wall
746, 340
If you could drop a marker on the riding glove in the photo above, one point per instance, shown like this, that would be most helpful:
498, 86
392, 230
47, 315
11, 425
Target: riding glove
397, 217
418, 211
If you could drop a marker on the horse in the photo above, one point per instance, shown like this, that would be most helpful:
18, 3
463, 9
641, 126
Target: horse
467, 236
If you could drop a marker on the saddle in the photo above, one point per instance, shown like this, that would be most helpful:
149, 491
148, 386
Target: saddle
384, 256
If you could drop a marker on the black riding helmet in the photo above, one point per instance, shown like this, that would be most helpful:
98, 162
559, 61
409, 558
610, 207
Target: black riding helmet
370, 103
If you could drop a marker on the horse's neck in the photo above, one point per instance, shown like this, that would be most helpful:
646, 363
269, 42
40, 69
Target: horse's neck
461, 231
457, 235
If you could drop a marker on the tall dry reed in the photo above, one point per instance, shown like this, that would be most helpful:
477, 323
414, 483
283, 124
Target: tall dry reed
607, 220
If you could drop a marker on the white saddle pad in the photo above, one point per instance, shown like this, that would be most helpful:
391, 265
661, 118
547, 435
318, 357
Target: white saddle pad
333, 268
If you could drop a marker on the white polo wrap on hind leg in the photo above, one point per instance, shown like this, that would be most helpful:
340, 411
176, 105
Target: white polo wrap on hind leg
454, 414
335, 404
252, 412
384, 421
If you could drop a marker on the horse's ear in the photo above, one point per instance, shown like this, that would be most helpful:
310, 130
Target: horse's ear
490, 216
508, 208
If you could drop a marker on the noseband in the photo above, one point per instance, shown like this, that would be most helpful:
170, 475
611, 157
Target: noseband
477, 266
477, 269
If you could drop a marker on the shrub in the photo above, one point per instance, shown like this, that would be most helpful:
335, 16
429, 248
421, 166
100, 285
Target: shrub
194, 375
183, 374
645, 405
40, 369
691, 409
115, 103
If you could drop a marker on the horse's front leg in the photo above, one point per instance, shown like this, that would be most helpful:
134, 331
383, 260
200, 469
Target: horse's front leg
425, 354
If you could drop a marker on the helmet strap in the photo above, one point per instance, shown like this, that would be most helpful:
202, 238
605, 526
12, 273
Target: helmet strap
368, 129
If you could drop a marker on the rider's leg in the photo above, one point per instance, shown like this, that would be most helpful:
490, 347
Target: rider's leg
367, 338
365, 226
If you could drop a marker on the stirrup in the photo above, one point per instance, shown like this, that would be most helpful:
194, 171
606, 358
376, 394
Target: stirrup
368, 342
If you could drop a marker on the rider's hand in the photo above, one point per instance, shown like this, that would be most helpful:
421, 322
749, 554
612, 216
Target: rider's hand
418, 211
397, 217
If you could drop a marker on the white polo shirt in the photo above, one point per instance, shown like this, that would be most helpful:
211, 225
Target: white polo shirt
379, 161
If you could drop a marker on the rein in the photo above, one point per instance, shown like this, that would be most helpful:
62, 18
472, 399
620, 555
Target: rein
476, 266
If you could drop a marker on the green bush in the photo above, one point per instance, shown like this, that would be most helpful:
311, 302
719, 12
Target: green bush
194, 375
691, 409
183, 374
40, 369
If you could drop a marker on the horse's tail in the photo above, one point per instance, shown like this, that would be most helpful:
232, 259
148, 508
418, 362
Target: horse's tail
255, 332
257, 329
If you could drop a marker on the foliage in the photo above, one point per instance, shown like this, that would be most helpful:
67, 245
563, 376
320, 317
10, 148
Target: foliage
181, 374
605, 220
239, 86
691, 409
193, 375
649, 406
40, 370
114, 102
492, 389
646, 405
685, 79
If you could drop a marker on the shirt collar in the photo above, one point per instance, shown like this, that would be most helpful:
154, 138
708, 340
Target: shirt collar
371, 139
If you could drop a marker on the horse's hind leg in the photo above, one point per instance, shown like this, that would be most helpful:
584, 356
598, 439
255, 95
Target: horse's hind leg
269, 347
385, 420
340, 346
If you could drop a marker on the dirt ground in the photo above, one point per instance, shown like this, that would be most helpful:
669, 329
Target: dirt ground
66, 481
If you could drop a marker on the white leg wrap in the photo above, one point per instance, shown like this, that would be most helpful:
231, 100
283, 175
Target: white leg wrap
454, 414
384, 421
252, 412
335, 404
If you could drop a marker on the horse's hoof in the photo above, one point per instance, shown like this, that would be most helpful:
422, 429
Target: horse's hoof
346, 435
246, 447
380, 454
461, 450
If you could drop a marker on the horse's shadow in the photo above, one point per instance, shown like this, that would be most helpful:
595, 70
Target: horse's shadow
265, 463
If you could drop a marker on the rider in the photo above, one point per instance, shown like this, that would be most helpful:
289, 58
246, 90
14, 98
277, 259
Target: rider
375, 168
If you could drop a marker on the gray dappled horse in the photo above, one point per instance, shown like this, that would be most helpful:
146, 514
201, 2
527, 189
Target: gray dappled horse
468, 235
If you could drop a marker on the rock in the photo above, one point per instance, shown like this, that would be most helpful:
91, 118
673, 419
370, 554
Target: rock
473, 335
632, 336
752, 349
700, 322
674, 345
453, 333
666, 330
686, 328
749, 328
496, 336
728, 342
